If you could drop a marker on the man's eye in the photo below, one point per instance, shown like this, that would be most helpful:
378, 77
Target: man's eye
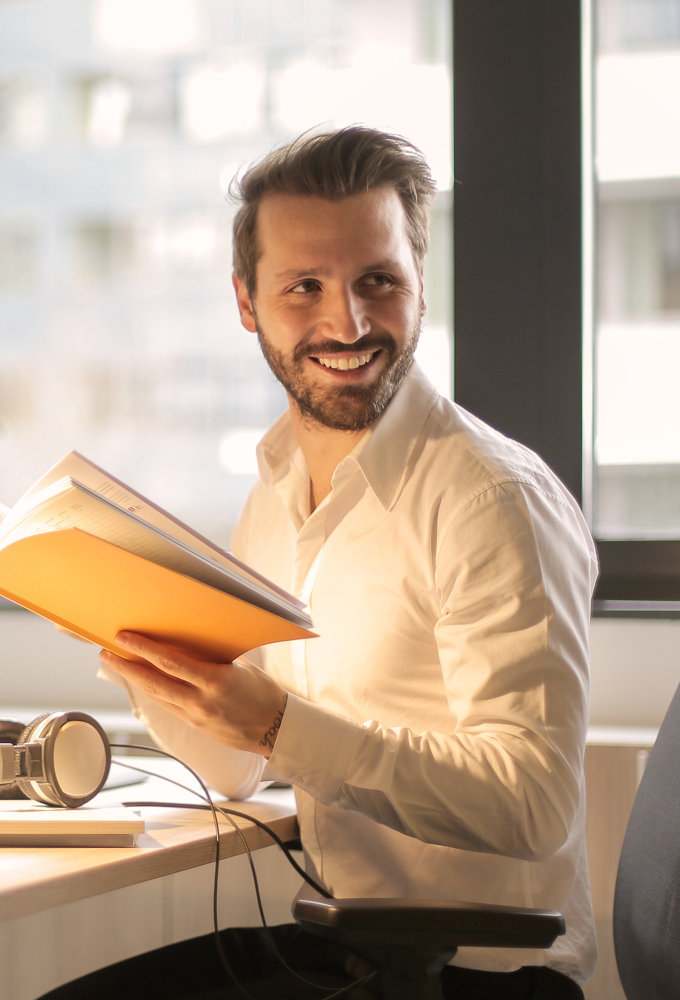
378, 279
305, 286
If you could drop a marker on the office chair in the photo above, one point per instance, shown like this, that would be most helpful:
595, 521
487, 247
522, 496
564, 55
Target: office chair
647, 895
410, 941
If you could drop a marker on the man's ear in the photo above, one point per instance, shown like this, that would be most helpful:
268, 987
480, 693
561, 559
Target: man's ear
245, 306
423, 303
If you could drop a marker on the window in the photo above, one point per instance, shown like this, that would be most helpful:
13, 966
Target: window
574, 351
635, 479
23, 105
644, 21
636, 475
121, 124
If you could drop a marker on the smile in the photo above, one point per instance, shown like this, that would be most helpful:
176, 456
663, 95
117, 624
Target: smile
346, 364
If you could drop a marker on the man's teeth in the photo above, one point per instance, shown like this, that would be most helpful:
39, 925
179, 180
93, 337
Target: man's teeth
345, 364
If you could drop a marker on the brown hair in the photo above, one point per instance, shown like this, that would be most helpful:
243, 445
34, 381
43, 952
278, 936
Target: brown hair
333, 165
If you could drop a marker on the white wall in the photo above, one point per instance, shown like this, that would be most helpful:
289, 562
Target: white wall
45, 669
635, 669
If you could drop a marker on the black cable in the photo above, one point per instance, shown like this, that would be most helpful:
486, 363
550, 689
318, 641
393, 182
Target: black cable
211, 805
229, 814
206, 796
223, 809
256, 822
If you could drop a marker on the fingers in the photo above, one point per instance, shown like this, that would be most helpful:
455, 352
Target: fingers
169, 659
234, 703
145, 676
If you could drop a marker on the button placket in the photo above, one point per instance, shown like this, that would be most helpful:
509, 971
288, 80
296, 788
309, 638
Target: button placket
307, 558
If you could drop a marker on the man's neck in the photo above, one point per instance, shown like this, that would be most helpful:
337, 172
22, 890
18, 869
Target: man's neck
324, 448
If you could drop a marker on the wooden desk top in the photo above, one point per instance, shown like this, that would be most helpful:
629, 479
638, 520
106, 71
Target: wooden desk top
176, 839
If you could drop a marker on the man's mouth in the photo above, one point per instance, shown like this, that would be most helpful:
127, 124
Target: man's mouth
345, 364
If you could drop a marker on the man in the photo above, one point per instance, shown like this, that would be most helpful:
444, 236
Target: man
434, 731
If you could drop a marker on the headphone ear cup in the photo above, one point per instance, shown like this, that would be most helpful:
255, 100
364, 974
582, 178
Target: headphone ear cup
24, 786
75, 760
10, 732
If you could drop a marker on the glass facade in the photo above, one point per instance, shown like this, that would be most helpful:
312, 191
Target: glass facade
122, 123
636, 480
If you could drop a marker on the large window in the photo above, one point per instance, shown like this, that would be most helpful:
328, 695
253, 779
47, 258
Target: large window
636, 84
121, 125
566, 260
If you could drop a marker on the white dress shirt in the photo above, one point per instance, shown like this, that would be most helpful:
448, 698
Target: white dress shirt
436, 727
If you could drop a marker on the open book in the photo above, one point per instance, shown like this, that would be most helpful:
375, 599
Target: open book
84, 550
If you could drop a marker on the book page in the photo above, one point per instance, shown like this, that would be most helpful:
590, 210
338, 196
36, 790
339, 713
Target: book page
94, 588
81, 469
65, 504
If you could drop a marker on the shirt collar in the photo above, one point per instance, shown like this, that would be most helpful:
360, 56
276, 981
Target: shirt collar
381, 456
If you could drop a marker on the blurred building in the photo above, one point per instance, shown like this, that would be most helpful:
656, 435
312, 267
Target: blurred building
637, 261
122, 123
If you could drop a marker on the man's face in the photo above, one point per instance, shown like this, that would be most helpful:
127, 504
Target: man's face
338, 303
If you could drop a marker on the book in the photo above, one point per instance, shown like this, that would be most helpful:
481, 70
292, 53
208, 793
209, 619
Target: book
84, 550
29, 824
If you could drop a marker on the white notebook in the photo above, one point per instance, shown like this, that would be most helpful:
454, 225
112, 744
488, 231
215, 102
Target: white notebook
24, 823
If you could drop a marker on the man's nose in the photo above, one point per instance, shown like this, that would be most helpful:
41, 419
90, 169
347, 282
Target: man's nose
345, 317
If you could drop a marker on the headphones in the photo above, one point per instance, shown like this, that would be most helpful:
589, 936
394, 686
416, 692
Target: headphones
59, 759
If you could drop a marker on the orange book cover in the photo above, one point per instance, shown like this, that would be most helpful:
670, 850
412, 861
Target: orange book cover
94, 567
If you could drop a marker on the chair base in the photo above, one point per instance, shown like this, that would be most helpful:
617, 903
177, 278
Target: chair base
409, 984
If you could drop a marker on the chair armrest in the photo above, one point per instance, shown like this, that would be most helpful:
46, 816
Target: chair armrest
437, 924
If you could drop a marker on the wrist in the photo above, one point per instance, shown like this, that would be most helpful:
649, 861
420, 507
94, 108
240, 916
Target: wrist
269, 736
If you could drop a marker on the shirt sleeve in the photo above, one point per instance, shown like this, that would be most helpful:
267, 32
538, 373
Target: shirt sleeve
234, 773
514, 575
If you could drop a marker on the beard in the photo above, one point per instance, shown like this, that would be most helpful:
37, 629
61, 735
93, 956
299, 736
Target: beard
343, 407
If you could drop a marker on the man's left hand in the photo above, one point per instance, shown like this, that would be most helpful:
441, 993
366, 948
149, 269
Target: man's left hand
234, 703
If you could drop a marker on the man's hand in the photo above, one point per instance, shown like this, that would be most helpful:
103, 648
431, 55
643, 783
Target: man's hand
234, 703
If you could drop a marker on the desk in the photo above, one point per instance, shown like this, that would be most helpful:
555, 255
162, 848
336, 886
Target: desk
65, 912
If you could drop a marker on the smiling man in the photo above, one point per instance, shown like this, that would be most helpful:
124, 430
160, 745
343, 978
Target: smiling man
434, 731
337, 307
339, 328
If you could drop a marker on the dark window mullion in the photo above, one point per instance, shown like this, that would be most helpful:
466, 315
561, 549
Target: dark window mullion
518, 253
517, 222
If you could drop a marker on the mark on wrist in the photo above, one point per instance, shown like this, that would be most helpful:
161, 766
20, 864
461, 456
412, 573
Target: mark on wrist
269, 736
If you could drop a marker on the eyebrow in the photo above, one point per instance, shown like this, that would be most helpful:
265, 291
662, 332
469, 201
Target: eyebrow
298, 273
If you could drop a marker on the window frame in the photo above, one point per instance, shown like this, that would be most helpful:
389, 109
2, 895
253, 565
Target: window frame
522, 342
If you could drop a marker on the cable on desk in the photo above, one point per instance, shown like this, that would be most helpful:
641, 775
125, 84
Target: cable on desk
229, 814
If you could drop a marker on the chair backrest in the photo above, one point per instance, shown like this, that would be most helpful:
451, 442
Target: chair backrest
647, 897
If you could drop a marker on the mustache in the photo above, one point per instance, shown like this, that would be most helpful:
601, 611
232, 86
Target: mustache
365, 345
